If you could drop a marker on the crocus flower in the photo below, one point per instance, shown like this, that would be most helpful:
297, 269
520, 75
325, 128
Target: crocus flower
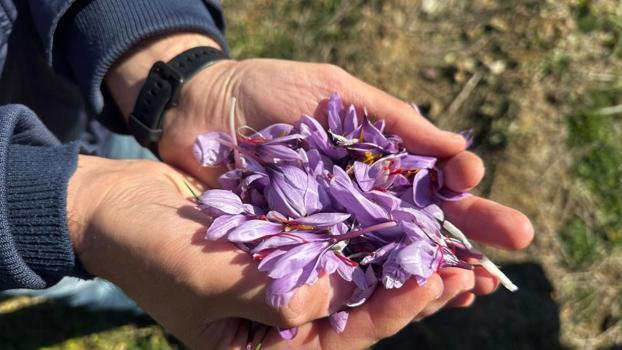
347, 200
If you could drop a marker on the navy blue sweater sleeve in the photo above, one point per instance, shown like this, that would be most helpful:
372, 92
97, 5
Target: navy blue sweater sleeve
92, 35
35, 249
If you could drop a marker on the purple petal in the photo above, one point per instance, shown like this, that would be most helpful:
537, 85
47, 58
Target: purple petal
222, 225
248, 180
318, 163
316, 137
422, 188
344, 192
413, 231
297, 258
288, 333
331, 263
277, 152
268, 261
322, 219
220, 202
231, 179
257, 199
275, 131
338, 321
254, 229
334, 110
393, 275
422, 218
280, 291
371, 134
274, 215
420, 259
288, 239
366, 284
362, 176
386, 200
212, 148
413, 162
278, 241
292, 192
451, 196
435, 211
468, 136
400, 180
380, 254
350, 121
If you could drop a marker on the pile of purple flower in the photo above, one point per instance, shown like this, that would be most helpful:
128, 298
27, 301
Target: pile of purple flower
307, 201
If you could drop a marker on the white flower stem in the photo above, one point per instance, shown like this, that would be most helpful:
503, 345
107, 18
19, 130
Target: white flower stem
234, 138
486, 263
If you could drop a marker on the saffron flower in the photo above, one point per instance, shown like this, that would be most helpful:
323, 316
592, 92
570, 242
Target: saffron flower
347, 200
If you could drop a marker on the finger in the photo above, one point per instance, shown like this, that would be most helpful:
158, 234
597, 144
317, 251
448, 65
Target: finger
463, 171
465, 299
420, 135
383, 315
485, 283
490, 222
455, 281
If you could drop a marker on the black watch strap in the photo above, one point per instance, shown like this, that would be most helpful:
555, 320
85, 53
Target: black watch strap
161, 91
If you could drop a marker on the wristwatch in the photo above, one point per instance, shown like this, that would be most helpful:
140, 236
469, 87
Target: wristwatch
161, 91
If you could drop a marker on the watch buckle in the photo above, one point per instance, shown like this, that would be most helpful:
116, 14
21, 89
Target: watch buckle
173, 77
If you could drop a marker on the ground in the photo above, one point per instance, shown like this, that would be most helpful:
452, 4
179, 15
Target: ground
540, 83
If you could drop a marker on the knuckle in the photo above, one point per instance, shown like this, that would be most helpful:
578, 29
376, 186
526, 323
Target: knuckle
333, 69
294, 314
335, 76
299, 310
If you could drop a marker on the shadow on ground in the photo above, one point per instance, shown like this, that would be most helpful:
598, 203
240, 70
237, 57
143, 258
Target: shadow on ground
526, 319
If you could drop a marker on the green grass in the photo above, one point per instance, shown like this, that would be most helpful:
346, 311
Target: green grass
596, 142
298, 30
592, 18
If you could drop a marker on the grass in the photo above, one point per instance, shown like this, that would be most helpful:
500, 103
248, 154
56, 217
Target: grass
298, 30
595, 141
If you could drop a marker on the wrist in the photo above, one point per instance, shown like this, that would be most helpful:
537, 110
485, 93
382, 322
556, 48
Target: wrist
127, 76
86, 189
203, 106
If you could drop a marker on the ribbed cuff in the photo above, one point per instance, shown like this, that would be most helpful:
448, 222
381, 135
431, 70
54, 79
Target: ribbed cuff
94, 34
36, 196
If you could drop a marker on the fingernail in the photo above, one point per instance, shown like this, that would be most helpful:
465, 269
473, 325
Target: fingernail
438, 289
439, 294
455, 137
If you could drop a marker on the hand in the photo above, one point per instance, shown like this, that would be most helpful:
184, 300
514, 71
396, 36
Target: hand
270, 91
132, 223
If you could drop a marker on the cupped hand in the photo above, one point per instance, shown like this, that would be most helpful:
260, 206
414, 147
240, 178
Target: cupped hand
270, 91
132, 222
